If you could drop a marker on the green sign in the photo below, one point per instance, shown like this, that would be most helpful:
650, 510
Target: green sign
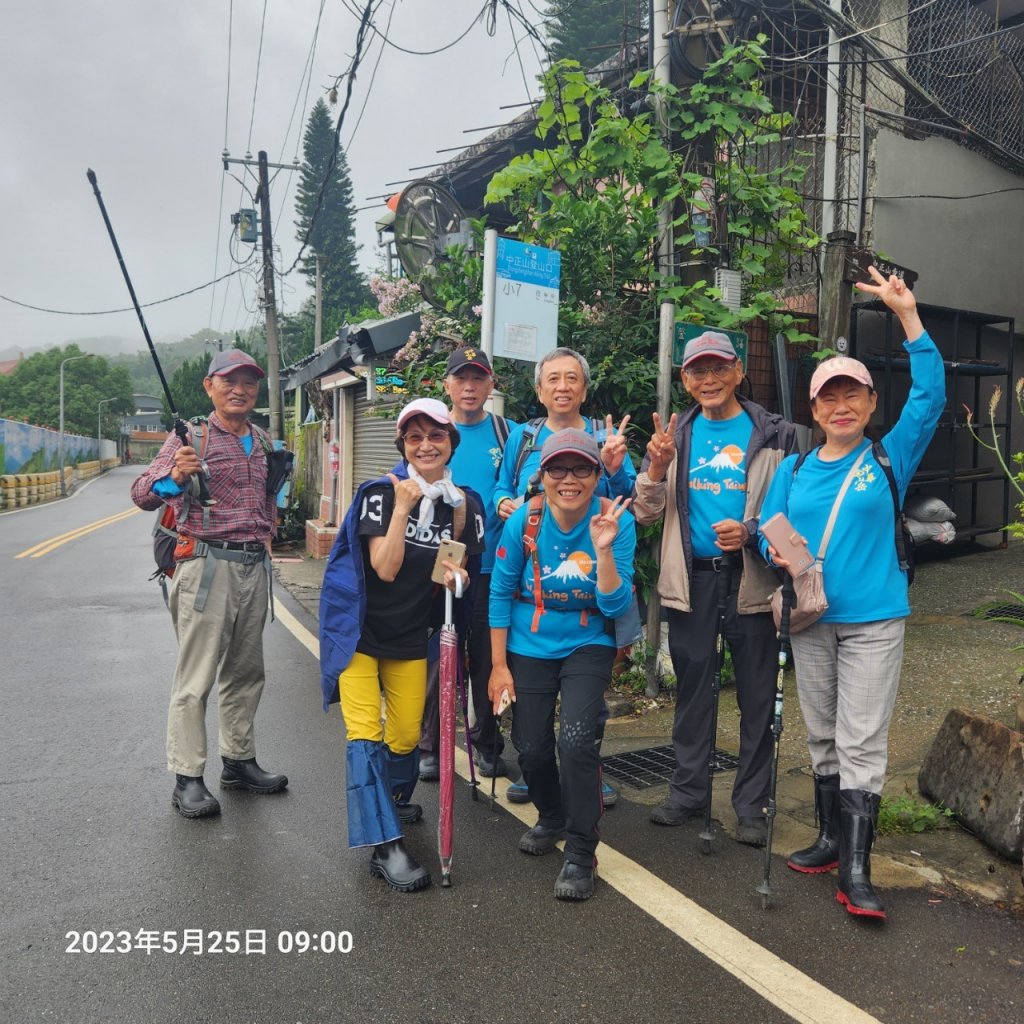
687, 332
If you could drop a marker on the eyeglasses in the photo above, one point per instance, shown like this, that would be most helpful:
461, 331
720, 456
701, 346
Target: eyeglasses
580, 470
720, 370
434, 437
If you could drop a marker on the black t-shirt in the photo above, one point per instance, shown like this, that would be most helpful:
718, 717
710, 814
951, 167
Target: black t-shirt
399, 614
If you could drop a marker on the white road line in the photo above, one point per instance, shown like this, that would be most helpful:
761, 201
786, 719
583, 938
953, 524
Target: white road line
772, 978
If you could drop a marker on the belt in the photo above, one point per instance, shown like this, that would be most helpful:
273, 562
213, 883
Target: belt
713, 564
234, 545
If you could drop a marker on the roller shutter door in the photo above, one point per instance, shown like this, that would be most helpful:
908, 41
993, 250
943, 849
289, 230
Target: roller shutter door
373, 440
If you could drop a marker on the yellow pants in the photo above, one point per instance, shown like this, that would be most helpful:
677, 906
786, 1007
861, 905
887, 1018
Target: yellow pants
405, 690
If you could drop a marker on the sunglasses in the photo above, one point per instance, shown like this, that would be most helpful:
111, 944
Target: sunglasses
433, 436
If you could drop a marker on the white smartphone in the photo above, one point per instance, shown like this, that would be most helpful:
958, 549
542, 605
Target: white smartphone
449, 551
790, 546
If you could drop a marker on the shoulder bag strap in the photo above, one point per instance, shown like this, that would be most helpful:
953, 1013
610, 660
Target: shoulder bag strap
827, 535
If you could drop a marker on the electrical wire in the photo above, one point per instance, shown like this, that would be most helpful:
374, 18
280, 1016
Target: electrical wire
127, 309
424, 53
373, 77
220, 202
364, 27
256, 83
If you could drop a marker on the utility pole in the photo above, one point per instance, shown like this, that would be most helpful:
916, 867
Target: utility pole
269, 301
270, 304
318, 322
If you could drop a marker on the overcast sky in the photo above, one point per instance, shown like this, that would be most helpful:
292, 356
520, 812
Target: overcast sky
138, 91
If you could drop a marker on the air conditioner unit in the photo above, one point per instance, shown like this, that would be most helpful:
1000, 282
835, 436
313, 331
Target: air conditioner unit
730, 285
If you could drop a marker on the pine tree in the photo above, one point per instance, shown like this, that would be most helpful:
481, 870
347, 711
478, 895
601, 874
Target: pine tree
590, 30
333, 234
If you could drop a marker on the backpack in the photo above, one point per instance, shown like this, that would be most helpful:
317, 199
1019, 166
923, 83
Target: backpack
528, 441
904, 540
165, 529
501, 431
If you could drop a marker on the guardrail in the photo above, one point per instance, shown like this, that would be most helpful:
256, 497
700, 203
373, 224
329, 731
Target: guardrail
18, 490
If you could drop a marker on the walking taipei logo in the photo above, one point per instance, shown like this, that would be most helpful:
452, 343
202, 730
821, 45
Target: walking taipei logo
723, 471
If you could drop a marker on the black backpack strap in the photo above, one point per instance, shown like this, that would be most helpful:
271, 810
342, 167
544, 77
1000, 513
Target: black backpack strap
527, 440
501, 431
881, 456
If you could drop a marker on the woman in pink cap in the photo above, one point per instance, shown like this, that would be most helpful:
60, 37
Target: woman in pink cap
848, 662
377, 608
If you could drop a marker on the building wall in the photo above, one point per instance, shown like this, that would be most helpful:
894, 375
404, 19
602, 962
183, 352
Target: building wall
967, 251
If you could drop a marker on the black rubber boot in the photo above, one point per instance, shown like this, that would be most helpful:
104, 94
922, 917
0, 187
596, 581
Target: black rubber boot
823, 854
192, 798
249, 775
391, 861
858, 814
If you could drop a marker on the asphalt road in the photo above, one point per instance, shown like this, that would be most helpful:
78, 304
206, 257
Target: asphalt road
91, 845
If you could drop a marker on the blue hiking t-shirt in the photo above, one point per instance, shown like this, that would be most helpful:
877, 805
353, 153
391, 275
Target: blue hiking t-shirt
475, 464
574, 612
718, 477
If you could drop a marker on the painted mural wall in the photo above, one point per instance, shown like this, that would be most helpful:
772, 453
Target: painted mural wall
28, 449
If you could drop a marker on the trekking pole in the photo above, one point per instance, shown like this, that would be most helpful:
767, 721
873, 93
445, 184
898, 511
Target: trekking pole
180, 426
722, 586
788, 602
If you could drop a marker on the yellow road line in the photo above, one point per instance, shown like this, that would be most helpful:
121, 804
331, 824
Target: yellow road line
46, 546
771, 977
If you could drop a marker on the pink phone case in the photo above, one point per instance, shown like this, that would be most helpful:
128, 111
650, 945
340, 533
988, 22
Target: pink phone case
788, 543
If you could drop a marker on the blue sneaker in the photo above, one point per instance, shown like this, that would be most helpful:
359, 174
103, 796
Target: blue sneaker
518, 793
609, 795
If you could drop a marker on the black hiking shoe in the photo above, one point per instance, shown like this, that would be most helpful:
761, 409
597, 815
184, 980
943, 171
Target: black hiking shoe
540, 840
574, 882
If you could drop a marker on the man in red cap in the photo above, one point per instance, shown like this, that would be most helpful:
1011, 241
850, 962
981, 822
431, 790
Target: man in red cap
706, 474
219, 592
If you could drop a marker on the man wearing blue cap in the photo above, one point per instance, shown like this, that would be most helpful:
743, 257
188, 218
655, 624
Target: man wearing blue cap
706, 474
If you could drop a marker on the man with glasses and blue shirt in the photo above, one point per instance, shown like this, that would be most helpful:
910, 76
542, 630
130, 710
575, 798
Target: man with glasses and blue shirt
706, 474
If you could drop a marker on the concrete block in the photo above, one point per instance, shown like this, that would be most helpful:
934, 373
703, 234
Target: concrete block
319, 538
975, 766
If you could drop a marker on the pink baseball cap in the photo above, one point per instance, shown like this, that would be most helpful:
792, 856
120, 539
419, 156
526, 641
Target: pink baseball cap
233, 359
839, 366
429, 407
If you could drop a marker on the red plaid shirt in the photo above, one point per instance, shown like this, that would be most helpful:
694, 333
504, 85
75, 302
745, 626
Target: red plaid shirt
244, 511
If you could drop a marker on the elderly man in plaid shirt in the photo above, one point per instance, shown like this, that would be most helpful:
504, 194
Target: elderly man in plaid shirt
219, 593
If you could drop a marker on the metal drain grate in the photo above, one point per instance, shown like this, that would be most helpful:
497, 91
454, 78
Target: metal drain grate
1005, 611
642, 769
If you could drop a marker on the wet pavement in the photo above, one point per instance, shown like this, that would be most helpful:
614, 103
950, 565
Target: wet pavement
952, 659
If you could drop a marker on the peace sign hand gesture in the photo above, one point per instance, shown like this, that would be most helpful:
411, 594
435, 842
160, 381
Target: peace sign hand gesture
604, 527
661, 448
613, 454
895, 293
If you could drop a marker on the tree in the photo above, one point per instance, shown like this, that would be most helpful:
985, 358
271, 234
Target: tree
332, 236
591, 30
32, 392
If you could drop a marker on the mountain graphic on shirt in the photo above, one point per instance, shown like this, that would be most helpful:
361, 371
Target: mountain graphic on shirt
576, 566
729, 460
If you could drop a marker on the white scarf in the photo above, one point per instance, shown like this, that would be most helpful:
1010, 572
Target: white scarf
444, 488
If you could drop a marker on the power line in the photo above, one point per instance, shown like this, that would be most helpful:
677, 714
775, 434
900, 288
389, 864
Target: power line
256, 83
127, 309
220, 202
424, 53
373, 76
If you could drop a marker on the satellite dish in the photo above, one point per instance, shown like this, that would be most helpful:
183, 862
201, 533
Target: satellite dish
428, 219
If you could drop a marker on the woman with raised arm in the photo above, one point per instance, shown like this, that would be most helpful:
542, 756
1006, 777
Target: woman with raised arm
848, 662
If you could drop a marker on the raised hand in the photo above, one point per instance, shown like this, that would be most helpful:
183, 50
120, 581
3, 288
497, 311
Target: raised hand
661, 448
407, 494
604, 527
613, 454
